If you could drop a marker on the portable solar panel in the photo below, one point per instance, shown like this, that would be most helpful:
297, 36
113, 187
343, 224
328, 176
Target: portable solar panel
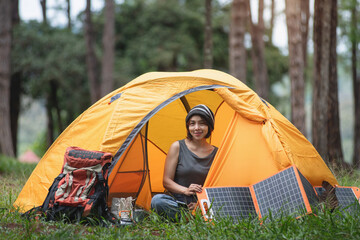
287, 192
348, 198
309, 190
235, 202
283, 193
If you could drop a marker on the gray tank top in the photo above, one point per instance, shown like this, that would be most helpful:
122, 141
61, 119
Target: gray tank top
191, 169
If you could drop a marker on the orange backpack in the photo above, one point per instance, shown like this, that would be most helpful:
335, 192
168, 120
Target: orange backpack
81, 189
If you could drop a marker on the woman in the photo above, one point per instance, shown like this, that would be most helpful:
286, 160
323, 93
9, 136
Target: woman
187, 165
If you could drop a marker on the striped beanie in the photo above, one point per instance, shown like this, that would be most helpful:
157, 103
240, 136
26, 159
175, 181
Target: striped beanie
204, 112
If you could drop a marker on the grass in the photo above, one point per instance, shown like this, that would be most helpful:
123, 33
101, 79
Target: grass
13, 175
325, 225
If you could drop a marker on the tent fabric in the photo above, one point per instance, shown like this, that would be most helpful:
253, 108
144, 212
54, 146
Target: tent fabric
240, 106
138, 122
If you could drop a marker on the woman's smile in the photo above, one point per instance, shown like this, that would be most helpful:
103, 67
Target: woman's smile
198, 127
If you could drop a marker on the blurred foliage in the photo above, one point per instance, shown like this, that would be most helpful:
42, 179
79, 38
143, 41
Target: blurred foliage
348, 34
45, 54
163, 36
12, 166
347, 31
151, 35
277, 66
39, 146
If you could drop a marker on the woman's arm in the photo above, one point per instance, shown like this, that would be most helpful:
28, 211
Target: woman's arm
169, 173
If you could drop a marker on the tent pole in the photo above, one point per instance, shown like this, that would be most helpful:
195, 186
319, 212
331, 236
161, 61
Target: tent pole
145, 162
185, 103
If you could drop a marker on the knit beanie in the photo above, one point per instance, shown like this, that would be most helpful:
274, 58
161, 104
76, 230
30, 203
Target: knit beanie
204, 112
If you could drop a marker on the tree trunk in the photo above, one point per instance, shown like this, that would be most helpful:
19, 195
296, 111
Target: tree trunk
272, 20
68, 14
261, 16
55, 104
208, 43
49, 98
15, 18
15, 93
91, 60
356, 157
334, 138
107, 84
356, 87
15, 84
321, 76
325, 120
258, 53
50, 123
43, 8
293, 20
237, 48
6, 143
304, 19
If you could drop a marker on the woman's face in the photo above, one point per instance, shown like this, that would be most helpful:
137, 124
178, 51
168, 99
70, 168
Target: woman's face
198, 127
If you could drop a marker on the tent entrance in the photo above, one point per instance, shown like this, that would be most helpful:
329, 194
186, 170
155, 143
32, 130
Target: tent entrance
140, 168
130, 177
183, 102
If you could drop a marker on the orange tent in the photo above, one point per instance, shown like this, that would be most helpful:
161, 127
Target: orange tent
138, 122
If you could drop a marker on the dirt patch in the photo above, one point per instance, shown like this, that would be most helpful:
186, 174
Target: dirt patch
155, 233
12, 225
38, 227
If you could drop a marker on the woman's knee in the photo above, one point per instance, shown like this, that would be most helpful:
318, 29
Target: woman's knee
165, 206
160, 201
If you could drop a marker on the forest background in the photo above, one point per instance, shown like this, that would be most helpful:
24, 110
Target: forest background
52, 72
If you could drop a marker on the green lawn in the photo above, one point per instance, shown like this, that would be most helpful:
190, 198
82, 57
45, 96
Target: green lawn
325, 225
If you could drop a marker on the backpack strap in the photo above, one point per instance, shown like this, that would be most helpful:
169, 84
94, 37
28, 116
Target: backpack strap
51, 195
101, 192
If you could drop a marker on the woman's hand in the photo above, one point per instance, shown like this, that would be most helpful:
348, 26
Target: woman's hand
193, 189
191, 206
